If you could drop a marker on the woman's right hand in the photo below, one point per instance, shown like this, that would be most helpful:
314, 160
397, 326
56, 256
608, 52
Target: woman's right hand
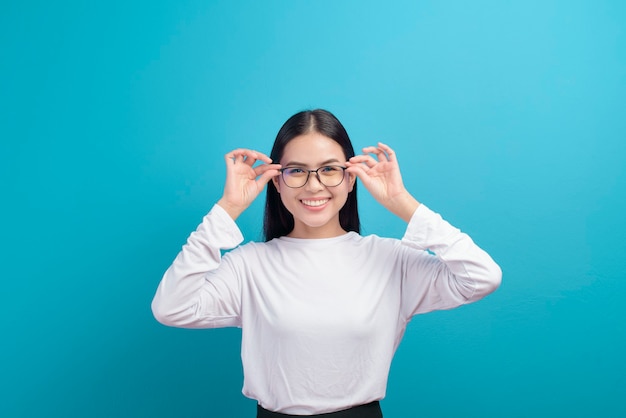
244, 182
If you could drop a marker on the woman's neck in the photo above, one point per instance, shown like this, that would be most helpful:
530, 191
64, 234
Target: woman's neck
304, 231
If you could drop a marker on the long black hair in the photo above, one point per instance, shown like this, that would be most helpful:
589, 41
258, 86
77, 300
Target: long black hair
277, 220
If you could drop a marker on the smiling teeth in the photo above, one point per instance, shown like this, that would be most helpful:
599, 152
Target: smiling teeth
315, 202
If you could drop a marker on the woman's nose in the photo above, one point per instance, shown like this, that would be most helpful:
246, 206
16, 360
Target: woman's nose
314, 182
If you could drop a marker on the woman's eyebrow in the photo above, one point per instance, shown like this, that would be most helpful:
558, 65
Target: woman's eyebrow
322, 164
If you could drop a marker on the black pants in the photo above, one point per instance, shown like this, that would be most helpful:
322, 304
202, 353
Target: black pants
370, 410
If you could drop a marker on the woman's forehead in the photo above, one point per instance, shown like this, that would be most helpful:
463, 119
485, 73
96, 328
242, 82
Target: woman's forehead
312, 149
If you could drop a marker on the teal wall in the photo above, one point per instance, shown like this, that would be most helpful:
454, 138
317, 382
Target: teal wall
507, 116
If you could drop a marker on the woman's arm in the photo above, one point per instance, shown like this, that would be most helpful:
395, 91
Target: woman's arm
459, 272
455, 271
188, 296
185, 298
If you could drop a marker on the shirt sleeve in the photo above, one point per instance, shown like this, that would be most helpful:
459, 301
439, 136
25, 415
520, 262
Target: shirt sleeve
189, 296
450, 271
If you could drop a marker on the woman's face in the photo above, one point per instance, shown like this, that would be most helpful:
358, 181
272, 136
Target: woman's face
315, 207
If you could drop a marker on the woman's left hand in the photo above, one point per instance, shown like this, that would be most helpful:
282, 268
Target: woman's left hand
381, 177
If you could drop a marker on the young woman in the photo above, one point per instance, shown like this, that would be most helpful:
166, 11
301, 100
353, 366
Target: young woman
322, 308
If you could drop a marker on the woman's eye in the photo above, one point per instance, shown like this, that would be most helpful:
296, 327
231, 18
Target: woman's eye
329, 169
293, 171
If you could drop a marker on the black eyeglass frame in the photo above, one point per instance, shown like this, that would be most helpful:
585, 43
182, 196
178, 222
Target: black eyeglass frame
316, 171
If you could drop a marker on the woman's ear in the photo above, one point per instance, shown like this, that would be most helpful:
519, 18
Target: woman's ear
352, 178
276, 183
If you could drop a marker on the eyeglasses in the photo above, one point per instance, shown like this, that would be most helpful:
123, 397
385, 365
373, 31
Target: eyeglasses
329, 175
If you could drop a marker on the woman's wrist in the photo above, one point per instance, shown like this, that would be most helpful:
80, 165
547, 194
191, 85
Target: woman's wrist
233, 211
404, 206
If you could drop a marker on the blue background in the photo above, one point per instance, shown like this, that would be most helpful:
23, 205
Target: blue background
507, 116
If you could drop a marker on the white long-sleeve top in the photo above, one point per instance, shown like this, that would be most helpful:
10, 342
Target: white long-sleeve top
321, 318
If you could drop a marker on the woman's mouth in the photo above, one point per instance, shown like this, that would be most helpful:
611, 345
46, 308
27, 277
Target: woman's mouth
314, 203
